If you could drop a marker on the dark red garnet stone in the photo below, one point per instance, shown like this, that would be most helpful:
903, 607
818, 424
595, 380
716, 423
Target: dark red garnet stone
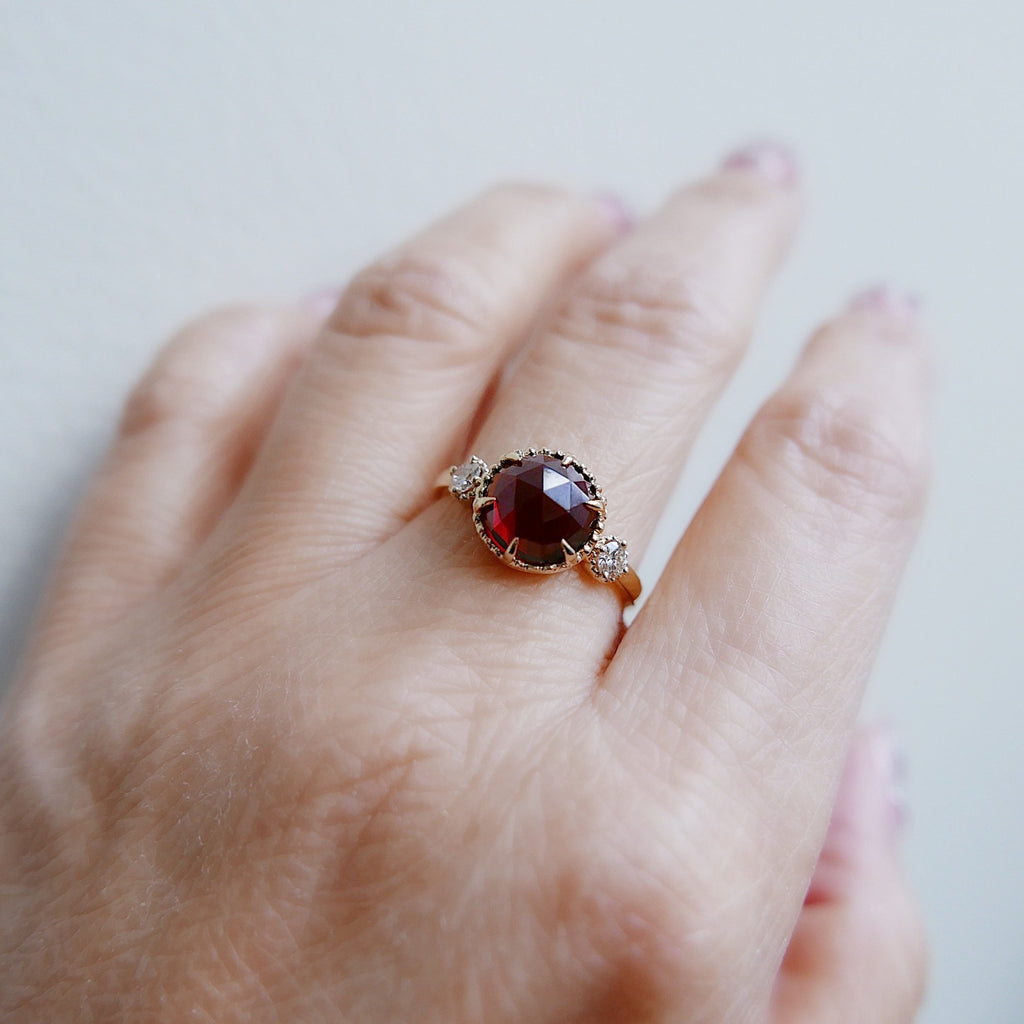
541, 502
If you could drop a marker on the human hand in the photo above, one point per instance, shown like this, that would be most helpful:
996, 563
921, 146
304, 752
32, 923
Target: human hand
288, 744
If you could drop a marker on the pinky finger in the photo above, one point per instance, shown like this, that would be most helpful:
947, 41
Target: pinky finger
858, 953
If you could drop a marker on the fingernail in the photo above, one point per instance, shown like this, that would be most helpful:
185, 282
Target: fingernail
321, 303
890, 765
772, 161
883, 298
622, 219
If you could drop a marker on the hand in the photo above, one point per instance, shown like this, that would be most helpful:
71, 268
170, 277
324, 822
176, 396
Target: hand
289, 744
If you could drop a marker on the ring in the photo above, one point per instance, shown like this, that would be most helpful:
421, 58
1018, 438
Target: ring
540, 510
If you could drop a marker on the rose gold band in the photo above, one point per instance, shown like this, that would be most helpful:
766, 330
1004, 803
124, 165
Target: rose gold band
630, 583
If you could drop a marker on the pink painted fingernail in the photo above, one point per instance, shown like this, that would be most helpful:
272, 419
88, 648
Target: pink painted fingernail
321, 303
622, 219
772, 161
884, 298
890, 765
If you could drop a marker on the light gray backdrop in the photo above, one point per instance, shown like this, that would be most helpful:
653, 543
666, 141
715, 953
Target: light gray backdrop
161, 158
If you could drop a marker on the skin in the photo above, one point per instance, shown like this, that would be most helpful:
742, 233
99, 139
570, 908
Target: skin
288, 744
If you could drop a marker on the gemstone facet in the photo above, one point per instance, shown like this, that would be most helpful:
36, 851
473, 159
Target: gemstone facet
546, 502
609, 559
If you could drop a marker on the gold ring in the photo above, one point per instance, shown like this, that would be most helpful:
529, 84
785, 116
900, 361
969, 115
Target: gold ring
540, 510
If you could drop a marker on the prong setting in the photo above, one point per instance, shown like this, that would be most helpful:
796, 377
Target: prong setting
609, 559
539, 510
572, 555
466, 478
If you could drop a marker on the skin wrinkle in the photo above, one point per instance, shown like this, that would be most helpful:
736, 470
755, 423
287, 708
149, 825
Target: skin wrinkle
675, 322
425, 305
844, 456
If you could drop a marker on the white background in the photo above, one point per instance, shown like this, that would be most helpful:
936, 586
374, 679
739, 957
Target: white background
161, 158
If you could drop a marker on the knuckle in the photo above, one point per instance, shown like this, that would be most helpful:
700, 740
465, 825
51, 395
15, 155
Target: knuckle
667, 316
190, 374
424, 296
843, 448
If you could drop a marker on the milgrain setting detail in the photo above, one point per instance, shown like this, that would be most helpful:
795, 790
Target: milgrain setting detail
540, 510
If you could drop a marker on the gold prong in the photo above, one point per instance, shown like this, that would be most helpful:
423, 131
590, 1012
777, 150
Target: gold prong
595, 503
510, 551
571, 554
567, 461
483, 502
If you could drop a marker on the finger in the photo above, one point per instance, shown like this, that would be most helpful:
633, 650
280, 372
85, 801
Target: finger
624, 375
740, 678
392, 384
858, 952
186, 438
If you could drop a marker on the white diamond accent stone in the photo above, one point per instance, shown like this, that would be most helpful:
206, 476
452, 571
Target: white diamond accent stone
609, 559
466, 477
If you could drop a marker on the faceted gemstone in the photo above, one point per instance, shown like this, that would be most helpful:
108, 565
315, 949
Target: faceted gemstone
543, 503
609, 559
467, 476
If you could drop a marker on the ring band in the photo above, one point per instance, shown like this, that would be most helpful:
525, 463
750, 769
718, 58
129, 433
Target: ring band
540, 510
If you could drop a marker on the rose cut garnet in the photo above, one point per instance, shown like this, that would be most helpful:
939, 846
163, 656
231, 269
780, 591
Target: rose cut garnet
543, 503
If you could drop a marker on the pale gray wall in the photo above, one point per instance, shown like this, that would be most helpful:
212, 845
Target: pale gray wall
161, 158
